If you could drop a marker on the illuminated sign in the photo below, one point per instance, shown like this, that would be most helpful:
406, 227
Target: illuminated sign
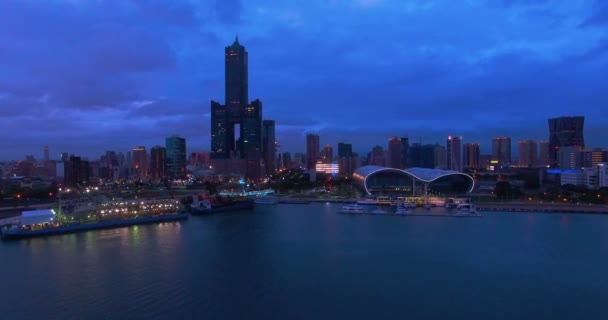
331, 168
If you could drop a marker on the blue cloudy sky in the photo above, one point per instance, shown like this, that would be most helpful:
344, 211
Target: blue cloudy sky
89, 76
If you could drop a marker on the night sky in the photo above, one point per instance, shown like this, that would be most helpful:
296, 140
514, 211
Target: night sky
89, 76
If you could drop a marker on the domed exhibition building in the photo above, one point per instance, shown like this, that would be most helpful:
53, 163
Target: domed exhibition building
372, 180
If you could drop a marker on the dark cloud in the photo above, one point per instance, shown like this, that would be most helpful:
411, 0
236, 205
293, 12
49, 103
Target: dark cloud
598, 16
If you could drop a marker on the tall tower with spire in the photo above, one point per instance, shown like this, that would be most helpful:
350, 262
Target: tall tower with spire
237, 110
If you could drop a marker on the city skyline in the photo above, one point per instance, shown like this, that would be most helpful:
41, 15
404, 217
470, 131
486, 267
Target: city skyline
117, 75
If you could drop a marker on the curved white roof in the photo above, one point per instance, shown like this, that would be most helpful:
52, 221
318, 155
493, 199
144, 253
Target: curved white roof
422, 174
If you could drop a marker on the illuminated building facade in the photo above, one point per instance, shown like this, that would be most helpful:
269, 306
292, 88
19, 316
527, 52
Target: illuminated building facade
501, 150
176, 157
312, 150
471, 155
158, 165
383, 180
140, 162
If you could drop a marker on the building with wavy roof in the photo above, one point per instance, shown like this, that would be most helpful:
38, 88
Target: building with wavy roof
412, 181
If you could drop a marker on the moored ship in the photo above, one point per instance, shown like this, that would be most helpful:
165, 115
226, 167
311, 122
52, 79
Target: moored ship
222, 204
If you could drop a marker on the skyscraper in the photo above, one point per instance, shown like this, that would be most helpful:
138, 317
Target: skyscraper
76, 172
394, 153
543, 153
501, 149
327, 156
345, 150
527, 150
269, 145
312, 150
158, 163
454, 150
471, 155
140, 162
564, 132
175, 157
236, 111
46, 154
405, 146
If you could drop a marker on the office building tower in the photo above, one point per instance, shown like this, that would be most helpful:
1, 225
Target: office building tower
470, 155
286, 160
527, 150
76, 172
175, 157
591, 158
269, 145
569, 158
64, 156
236, 111
46, 156
327, 154
564, 132
501, 150
405, 145
453, 153
440, 156
376, 157
543, 153
140, 162
394, 153
345, 150
312, 150
158, 164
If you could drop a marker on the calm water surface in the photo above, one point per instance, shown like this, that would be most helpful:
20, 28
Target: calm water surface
308, 262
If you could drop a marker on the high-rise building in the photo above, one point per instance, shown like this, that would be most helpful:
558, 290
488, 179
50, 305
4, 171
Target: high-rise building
46, 157
394, 153
591, 158
405, 146
501, 149
312, 150
76, 172
64, 156
140, 162
376, 157
569, 158
327, 155
158, 164
470, 155
345, 150
543, 153
236, 111
269, 145
527, 150
564, 132
440, 156
175, 157
453, 153
286, 159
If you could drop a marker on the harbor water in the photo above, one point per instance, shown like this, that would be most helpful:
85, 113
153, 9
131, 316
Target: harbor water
294, 261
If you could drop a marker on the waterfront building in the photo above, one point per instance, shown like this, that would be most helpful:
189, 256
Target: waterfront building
140, 162
591, 158
312, 150
527, 150
470, 155
412, 181
564, 132
453, 153
158, 164
602, 174
501, 150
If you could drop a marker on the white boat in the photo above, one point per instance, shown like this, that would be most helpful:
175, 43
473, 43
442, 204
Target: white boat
267, 200
402, 210
367, 202
378, 211
352, 208
466, 210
